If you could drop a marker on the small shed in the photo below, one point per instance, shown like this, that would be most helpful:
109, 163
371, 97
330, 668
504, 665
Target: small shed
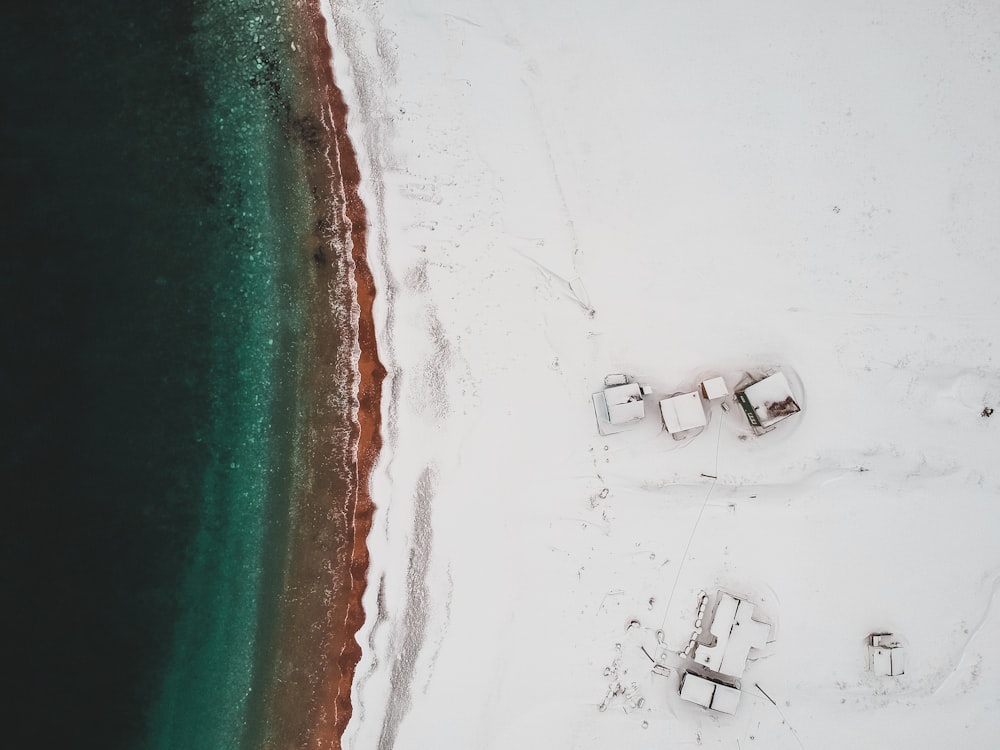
709, 693
768, 401
886, 655
683, 414
714, 389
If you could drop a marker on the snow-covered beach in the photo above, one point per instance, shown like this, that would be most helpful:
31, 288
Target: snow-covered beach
559, 191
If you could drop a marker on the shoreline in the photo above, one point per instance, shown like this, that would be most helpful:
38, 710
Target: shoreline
306, 699
370, 371
534, 570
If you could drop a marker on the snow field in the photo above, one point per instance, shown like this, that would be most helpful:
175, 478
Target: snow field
561, 191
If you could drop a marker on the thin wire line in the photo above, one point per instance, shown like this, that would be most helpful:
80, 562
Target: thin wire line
680, 568
694, 529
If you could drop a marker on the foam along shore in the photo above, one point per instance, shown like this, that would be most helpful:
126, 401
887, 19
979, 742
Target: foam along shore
558, 193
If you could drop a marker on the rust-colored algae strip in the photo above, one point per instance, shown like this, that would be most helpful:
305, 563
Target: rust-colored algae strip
307, 698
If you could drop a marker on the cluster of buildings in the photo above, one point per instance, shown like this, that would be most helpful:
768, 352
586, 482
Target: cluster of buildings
716, 656
716, 659
765, 401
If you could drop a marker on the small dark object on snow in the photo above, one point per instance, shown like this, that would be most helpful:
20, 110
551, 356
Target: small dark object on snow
987, 411
782, 408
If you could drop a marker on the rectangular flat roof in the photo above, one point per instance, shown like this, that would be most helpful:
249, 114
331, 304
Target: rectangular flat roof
625, 403
726, 699
771, 399
709, 693
622, 394
697, 689
683, 412
622, 413
714, 388
887, 661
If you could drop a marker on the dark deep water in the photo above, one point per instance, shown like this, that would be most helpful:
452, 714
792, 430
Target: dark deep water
153, 209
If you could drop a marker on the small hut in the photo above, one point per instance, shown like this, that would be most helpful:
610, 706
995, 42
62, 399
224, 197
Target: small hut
886, 654
714, 389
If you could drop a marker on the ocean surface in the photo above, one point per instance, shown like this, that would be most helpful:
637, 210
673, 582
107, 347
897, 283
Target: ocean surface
154, 216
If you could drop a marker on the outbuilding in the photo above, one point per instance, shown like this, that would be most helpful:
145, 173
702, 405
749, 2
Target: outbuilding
886, 655
714, 389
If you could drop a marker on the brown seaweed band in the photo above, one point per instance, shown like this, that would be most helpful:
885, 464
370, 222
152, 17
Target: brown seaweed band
367, 430
308, 698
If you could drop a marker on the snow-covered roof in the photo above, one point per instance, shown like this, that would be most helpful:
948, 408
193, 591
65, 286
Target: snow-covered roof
736, 632
714, 388
886, 655
624, 403
709, 693
683, 412
697, 689
726, 699
771, 399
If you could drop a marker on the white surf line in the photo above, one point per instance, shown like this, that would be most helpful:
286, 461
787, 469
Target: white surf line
968, 641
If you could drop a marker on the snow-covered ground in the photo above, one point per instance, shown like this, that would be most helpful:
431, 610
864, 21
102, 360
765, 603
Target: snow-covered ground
562, 190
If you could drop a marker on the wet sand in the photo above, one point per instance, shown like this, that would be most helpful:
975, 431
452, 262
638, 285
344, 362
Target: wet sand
307, 699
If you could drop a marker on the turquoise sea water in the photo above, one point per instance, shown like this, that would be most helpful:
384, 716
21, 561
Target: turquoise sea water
152, 330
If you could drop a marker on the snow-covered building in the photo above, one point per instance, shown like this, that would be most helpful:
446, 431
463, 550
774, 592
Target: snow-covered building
735, 632
768, 401
683, 415
886, 655
709, 693
723, 653
619, 405
624, 403
714, 389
